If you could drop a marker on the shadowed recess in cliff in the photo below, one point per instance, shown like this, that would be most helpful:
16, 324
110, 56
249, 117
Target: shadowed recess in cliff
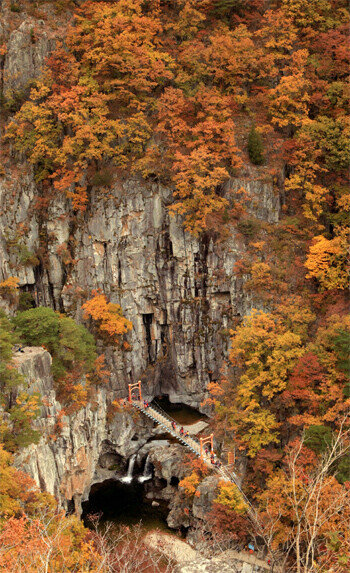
182, 413
147, 321
124, 504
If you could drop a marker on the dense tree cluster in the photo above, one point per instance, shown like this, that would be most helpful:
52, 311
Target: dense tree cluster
187, 92
161, 88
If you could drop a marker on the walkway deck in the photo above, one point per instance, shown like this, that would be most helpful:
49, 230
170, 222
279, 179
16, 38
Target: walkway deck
165, 421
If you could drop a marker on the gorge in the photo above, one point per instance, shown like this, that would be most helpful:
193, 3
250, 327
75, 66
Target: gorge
174, 208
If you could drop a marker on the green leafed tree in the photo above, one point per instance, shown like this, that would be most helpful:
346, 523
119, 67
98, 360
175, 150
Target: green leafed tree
9, 375
69, 343
255, 147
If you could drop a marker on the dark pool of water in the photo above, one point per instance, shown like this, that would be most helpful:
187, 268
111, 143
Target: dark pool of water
183, 414
124, 504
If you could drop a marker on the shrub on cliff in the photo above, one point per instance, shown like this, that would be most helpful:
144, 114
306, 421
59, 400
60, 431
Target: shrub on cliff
17, 411
255, 147
20, 433
69, 343
9, 376
111, 324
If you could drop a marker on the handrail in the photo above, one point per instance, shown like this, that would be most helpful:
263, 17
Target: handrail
229, 476
166, 415
186, 440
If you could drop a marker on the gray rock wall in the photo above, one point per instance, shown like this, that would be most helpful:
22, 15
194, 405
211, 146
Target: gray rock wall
67, 461
29, 41
27, 49
180, 293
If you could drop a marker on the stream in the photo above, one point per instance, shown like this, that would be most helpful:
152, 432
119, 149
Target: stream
182, 414
123, 500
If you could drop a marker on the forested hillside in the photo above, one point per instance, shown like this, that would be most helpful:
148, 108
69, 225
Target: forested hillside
187, 96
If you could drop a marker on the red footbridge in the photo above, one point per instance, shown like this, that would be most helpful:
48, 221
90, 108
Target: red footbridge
202, 447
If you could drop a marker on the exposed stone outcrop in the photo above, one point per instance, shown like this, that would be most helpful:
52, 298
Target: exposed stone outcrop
180, 293
226, 562
29, 40
168, 461
207, 492
27, 49
66, 460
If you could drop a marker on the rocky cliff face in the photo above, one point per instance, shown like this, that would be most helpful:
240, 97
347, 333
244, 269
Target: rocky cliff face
29, 41
180, 293
70, 458
27, 49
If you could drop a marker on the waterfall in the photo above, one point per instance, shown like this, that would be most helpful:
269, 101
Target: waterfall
147, 472
128, 477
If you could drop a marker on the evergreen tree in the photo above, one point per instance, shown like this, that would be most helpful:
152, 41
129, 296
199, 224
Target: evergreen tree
69, 343
255, 147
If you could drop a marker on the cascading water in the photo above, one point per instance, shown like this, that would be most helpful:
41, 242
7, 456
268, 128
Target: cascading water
128, 477
147, 471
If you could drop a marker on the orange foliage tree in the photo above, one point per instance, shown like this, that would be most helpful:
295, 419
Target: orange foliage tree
199, 133
34, 535
157, 89
111, 323
304, 510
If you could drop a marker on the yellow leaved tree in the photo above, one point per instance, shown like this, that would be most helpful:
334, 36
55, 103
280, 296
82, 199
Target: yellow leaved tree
327, 262
264, 350
230, 496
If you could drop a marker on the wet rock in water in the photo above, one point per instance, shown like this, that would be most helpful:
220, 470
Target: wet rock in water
168, 461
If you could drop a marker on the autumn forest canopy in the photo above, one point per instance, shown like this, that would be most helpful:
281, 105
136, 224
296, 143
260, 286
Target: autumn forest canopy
188, 95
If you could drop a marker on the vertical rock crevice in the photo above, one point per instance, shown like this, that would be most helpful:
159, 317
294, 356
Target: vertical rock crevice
147, 322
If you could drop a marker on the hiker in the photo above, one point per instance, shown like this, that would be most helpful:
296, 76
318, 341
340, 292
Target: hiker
173, 425
251, 547
181, 431
187, 434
